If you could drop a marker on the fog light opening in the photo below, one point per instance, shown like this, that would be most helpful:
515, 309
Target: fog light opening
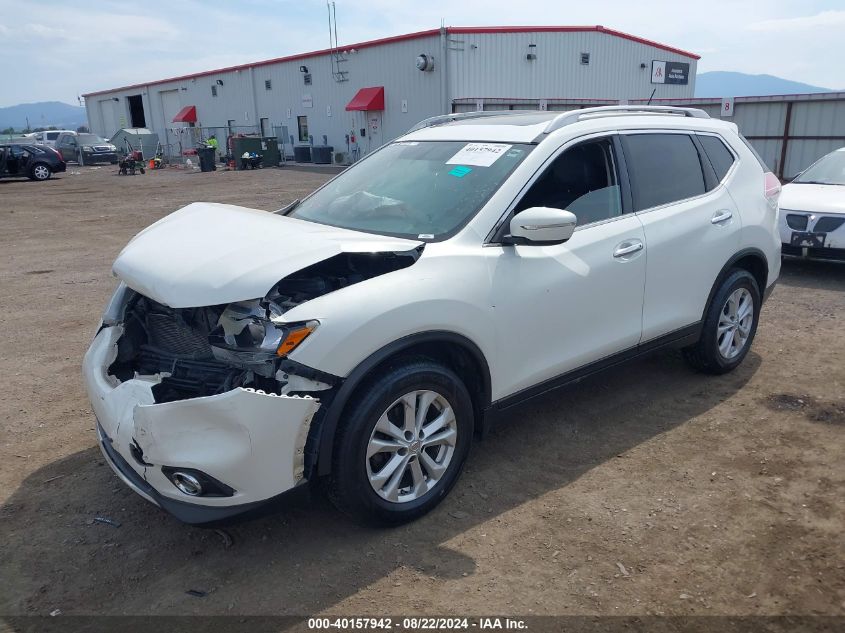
186, 483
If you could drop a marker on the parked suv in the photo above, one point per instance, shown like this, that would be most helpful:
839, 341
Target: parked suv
364, 334
86, 149
24, 160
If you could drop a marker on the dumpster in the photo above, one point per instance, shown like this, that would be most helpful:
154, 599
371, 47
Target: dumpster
206, 157
267, 148
302, 153
322, 154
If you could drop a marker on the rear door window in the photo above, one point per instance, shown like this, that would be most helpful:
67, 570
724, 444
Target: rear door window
720, 156
664, 168
52, 136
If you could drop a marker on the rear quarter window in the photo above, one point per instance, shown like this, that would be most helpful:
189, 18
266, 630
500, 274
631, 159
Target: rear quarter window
719, 155
664, 168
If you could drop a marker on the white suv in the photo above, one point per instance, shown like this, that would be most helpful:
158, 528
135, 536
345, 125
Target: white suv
361, 336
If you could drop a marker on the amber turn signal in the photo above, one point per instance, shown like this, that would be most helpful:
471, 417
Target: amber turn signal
295, 337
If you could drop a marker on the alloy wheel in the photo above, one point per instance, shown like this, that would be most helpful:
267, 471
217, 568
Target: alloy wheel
735, 323
41, 172
411, 446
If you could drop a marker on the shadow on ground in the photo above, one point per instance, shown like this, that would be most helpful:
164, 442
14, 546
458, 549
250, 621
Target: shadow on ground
818, 275
307, 557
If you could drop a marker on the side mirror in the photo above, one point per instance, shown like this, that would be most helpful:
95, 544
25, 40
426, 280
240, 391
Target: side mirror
542, 225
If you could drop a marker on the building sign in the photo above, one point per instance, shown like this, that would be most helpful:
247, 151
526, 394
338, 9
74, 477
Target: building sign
727, 106
307, 100
669, 72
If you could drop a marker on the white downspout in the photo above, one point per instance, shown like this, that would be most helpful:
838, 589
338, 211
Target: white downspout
445, 102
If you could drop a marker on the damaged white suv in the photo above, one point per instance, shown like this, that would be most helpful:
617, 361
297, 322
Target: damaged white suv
363, 335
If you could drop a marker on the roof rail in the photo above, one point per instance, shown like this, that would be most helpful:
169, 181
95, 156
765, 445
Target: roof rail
461, 116
573, 116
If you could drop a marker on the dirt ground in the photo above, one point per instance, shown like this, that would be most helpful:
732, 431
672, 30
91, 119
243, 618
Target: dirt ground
646, 490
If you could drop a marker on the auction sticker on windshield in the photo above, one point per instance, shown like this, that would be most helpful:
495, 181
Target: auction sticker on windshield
479, 154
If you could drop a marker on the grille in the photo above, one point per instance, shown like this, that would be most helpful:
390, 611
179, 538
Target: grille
796, 222
828, 223
167, 332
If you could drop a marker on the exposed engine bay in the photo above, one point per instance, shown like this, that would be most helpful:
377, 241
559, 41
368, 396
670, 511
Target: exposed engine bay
209, 350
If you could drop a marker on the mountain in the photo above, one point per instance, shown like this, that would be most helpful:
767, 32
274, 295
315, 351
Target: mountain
730, 84
43, 114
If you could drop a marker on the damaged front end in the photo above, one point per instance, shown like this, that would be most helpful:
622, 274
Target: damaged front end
201, 405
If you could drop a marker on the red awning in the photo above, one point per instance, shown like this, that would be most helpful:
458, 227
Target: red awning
371, 99
188, 114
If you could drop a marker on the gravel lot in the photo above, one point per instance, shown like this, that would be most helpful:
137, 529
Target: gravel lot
646, 490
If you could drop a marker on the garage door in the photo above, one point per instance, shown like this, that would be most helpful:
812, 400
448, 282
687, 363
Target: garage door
109, 116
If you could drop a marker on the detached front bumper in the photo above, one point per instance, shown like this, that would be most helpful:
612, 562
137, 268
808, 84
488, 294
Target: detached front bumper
248, 440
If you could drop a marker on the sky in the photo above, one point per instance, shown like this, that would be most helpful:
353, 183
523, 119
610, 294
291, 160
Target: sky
61, 49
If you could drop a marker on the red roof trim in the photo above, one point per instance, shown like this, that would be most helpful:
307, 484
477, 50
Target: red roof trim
411, 36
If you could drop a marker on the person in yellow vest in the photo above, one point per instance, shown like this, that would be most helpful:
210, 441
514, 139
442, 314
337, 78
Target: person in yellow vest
212, 142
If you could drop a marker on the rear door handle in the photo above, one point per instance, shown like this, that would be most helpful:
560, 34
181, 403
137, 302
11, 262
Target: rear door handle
721, 216
628, 247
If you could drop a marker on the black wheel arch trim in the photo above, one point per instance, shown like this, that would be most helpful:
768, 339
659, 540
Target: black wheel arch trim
745, 252
330, 417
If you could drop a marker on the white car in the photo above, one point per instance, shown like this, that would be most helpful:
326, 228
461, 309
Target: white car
362, 335
812, 210
48, 137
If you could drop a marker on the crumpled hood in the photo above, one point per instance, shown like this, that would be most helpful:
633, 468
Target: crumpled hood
209, 254
812, 198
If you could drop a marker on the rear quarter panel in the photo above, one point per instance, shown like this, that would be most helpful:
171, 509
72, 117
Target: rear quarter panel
759, 218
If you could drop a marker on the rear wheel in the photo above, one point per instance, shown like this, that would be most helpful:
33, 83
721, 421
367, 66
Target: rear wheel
729, 325
40, 171
403, 445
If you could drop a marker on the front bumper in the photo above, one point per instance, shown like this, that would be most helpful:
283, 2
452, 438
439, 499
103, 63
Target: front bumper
816, 238
251, 441
99, 157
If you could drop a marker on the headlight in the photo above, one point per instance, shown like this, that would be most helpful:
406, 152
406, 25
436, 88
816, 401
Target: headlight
112, 148
87, 148
247, 335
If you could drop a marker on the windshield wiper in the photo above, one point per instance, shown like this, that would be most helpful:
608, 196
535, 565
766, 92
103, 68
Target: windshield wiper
814, 182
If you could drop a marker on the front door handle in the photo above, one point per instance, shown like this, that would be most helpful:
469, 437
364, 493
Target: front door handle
721, 216
628, 247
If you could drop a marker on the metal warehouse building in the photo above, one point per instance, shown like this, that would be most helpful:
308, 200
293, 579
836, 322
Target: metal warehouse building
357, 97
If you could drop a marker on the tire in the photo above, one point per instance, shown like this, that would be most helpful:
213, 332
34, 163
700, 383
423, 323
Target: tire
725, 338
361, 486
40, 171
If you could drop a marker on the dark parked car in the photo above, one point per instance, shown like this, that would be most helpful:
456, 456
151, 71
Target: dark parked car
86, 149
37, 162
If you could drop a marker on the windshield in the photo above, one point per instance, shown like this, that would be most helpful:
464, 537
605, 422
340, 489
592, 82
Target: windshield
88, 139
829, 170
421, 190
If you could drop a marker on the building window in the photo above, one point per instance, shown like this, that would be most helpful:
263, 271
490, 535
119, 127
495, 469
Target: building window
268, 85
585, 58
302, 124
307, 79
213, 91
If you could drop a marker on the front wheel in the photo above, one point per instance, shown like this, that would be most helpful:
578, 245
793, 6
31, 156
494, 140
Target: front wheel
403, 445
40, 171
729, 325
